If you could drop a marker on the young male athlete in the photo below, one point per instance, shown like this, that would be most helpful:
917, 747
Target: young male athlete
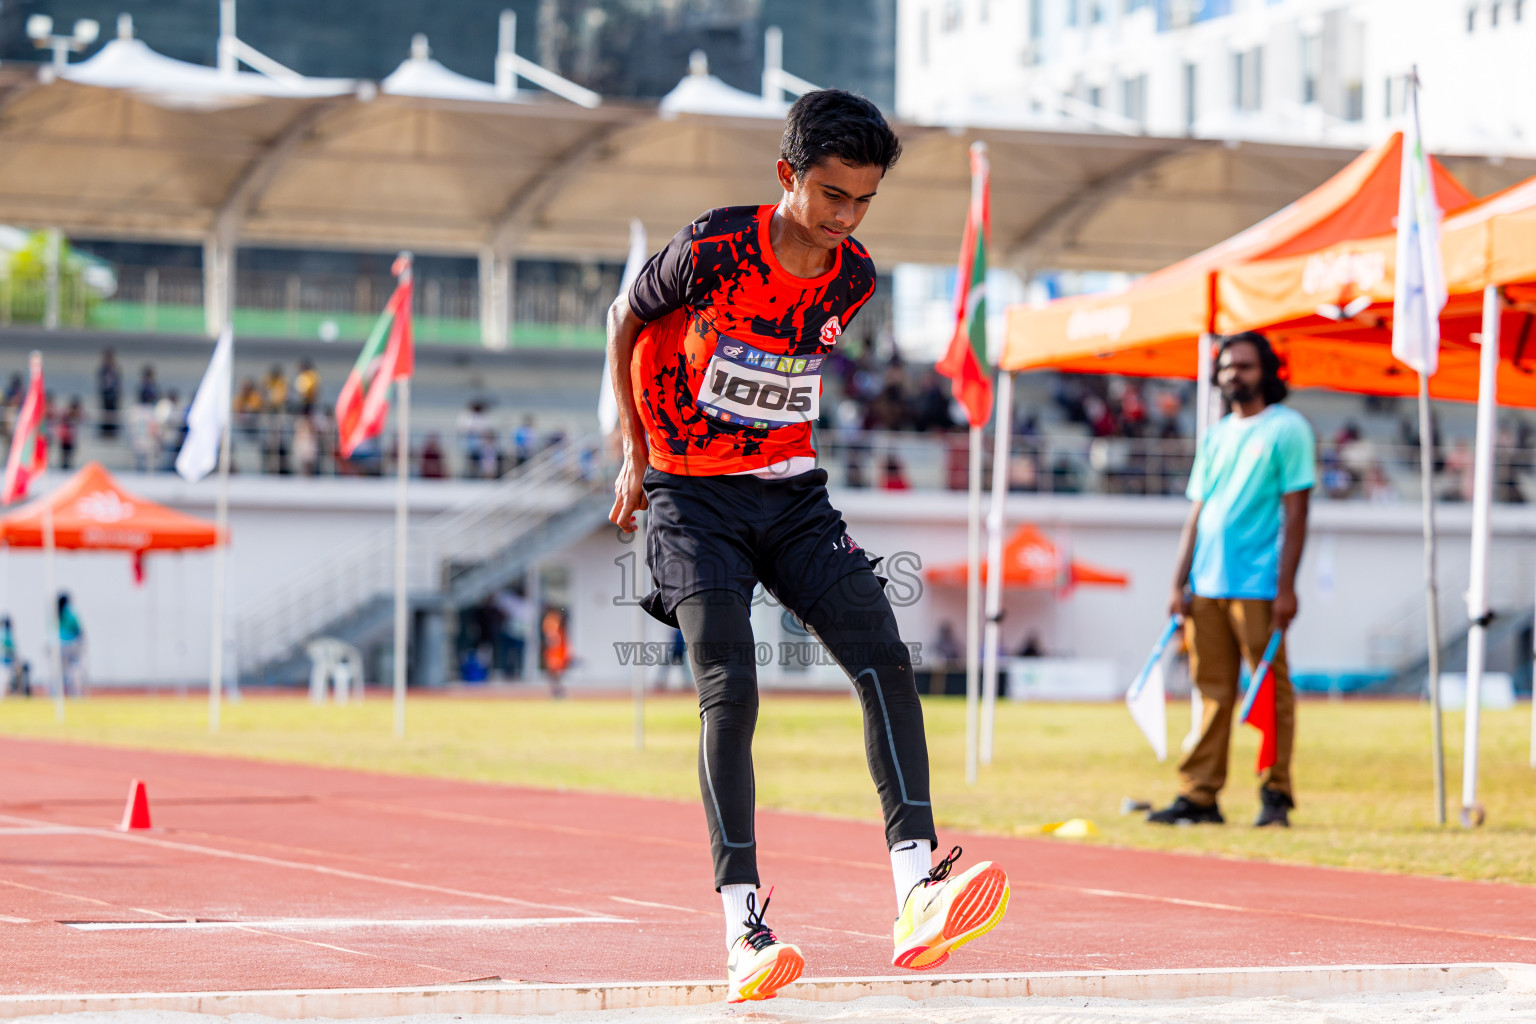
717, 352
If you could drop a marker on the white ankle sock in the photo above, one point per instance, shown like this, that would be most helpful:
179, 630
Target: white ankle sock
910, 861
734, 897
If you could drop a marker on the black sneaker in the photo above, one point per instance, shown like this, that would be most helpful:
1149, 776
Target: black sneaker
1184, 811
1275, 808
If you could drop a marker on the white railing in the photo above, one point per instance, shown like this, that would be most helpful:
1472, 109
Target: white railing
468, 534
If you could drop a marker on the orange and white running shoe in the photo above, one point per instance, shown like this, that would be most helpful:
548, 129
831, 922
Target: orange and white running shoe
759, 964
942, 913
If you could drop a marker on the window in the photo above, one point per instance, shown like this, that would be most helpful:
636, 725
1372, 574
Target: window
1136, 5
953, 15
1311, 67
1518, 10
1133, 99
1096, 12
1096, 96
1388, 110
1354, 101
1493, 14
1036, 19
1471, 20
1247, 78
1072, 13
1191, 108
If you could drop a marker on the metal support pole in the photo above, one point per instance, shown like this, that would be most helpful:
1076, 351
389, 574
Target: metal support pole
637, 663
1001, 435
220, 561
402, 507
52, 253
1477, 589
1431, 592
973, 611
51, 594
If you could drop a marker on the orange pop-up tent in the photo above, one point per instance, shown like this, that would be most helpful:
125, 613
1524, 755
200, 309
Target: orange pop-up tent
1031, 561
92, 512
1152, 328
1296, 300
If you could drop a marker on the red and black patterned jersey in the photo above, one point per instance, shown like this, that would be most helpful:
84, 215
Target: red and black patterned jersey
727, 370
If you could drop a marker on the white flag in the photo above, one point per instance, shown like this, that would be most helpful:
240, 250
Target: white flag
607, 402
208, 417
1149, 709
1420, 291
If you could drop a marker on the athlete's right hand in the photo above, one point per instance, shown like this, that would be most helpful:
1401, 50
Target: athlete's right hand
628, 489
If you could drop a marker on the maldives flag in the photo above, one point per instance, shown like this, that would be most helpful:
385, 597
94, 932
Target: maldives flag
29, 445
965, 364
1259, 705
387, 356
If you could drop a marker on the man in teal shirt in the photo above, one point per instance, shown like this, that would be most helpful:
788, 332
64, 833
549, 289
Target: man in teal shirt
1236, 576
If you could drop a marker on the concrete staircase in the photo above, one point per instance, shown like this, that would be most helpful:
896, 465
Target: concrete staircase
453, 560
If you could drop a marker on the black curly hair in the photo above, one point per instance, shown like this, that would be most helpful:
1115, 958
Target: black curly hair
832, 122
1273, 386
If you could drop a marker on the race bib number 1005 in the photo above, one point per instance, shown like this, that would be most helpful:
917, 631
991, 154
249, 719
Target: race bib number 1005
758, 389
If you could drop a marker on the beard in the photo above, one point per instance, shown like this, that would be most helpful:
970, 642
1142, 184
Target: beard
1238, 392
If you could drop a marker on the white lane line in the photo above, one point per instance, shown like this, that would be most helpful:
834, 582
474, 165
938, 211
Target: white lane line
295, 924
45, 830
320, 869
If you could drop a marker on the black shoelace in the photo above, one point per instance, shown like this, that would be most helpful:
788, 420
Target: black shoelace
940, 871
758, 934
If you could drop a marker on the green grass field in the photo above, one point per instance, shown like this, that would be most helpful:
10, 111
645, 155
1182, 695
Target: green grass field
1362, 768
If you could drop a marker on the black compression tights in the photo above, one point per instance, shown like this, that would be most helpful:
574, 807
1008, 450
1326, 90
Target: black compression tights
855, 623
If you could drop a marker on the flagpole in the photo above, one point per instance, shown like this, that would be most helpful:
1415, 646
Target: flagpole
1431, 591
403, 463
973, 609
1477, 587
1001, 436
50, 588
637, 663
220, 554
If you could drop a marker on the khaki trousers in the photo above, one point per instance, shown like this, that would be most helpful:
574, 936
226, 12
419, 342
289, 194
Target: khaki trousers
1220, 632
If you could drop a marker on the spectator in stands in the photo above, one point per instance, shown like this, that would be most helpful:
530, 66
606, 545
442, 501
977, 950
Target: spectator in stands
69, 429
170, 428
149, 390
306, 387
489, 455
1031, 647
895, 474
432, 458
472, 427
109, 390
248, 407
276, 385
524, 440
306, 445
931, 405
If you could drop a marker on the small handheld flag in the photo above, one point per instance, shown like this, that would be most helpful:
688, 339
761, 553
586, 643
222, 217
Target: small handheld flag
1419, 291
1147, 700
29, 444
1261, 713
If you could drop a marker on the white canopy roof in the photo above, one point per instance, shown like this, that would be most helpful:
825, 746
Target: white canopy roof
130, 64
703, 93
547, 178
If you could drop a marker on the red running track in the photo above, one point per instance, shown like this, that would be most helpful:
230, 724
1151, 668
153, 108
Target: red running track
381, 858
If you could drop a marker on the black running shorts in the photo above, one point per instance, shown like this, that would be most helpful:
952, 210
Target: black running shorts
731, 532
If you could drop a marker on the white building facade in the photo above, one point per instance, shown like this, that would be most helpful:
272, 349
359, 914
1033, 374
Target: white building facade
1304, 71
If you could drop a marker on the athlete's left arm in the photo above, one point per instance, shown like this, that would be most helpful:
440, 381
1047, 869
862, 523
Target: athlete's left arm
1296, 505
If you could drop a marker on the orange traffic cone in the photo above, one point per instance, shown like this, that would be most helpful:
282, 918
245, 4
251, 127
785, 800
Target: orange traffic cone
136, 813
